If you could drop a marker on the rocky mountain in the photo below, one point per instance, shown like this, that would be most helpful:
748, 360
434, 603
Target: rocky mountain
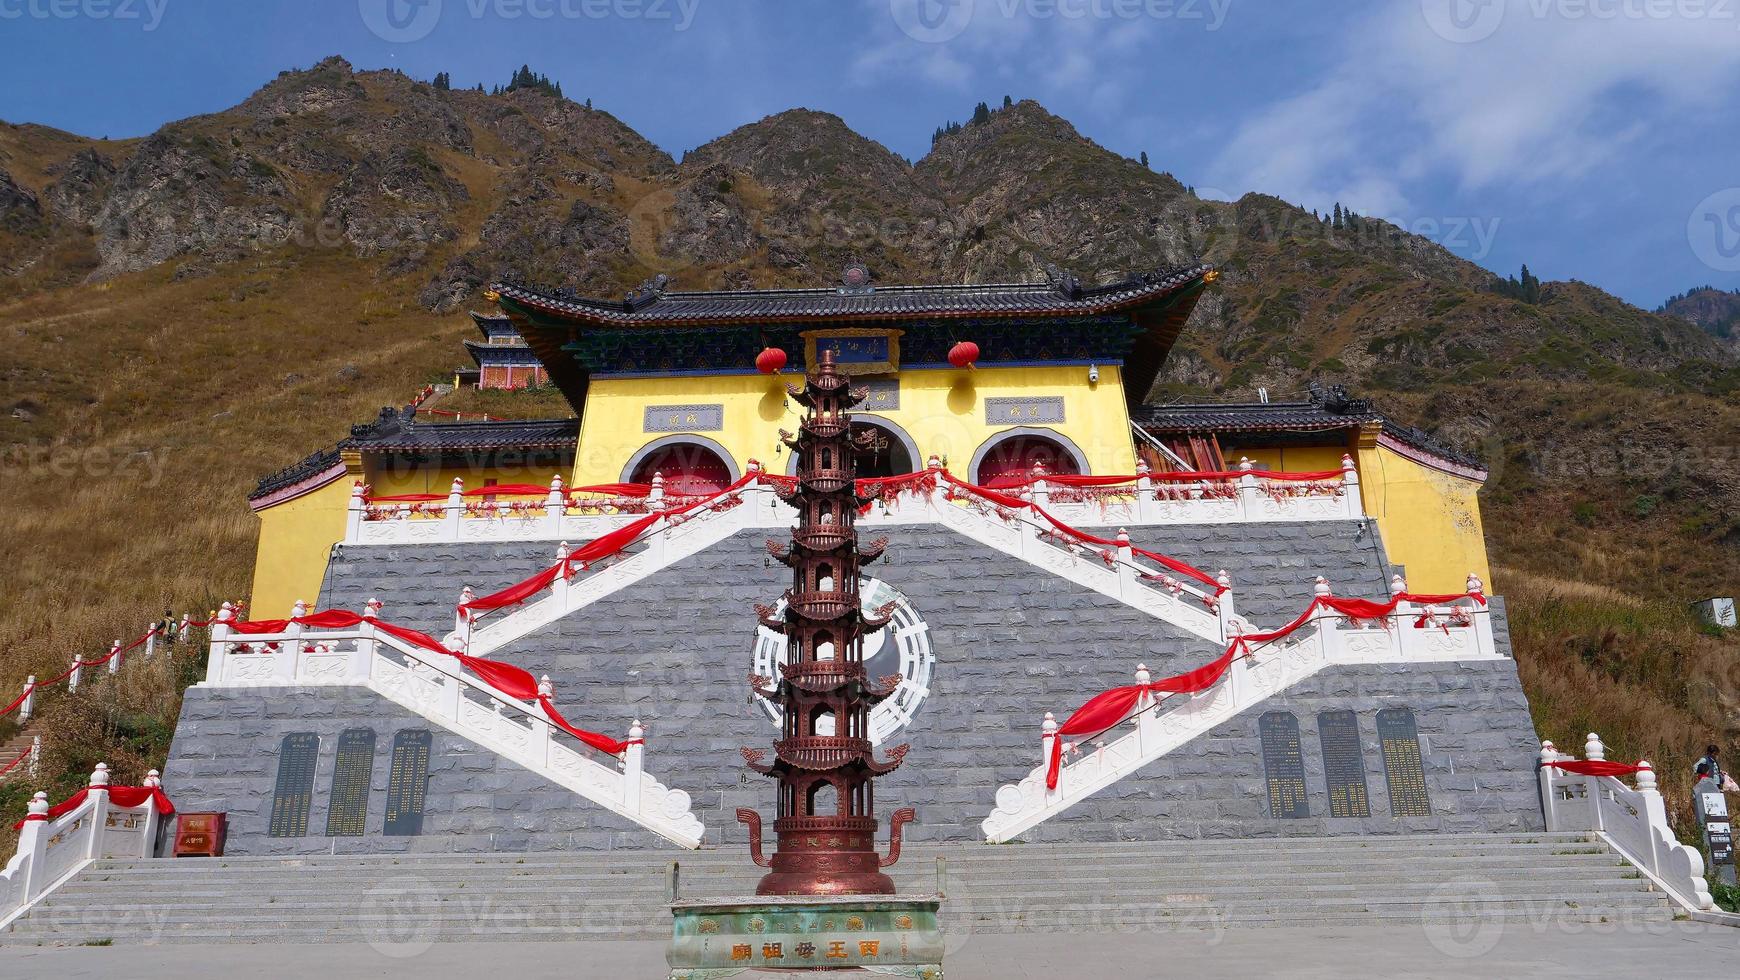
1717, 311
258, 278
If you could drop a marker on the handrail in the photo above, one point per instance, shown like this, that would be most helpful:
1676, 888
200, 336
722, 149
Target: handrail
527, 732
1257, 671
53, 849
1634, 821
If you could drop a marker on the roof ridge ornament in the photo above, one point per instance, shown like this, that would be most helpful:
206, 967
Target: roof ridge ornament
855, 279
647, 293
1067, 284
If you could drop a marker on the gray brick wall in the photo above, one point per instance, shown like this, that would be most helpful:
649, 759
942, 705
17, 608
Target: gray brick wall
1012, 643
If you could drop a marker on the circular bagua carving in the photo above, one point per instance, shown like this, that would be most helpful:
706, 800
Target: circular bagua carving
902, 647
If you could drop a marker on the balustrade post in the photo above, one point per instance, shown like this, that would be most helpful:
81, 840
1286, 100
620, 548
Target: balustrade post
29, 703
1350, 488
1249, 491
1480, 617
219, 647
72, 679
35, 755
633, 761
1146, 723
1041, 490
115, 657
1656, 812
1327, 627
289, 653
1402, 628
1223, 605
559, 588
97, 795
655, 540
543, 736
1594, 751
355, 512
1548, 776
151, 632
1147, 509
1047, 739
185, 628
33, 845
153, 818
462, 619
939, 489
362, 661
555, 507
1126, 567
655, 499
454, 513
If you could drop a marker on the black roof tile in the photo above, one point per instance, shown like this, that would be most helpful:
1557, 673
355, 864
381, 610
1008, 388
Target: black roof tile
653, 304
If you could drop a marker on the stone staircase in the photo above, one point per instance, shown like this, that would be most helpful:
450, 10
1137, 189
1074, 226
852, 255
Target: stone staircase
1452, 883
11, 751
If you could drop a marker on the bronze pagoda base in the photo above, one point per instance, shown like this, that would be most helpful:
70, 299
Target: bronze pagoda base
893, 935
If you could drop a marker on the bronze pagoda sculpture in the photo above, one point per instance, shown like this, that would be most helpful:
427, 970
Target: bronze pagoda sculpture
826, 904
824, 760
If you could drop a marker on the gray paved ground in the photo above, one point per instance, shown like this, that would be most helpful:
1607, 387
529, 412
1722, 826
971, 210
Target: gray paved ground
1654, 950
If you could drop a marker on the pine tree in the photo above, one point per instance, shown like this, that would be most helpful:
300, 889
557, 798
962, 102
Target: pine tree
1144, 159
981, 114
1335, 221
1007, 102
443, 81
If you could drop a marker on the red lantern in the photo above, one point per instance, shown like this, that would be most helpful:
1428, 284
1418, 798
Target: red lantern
770, 360
963, 354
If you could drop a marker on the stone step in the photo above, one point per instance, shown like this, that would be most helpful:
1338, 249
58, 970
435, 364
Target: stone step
1267, 850
957, 880
1081, 888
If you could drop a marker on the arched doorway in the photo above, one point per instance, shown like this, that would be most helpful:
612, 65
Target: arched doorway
690, 469
1010, 457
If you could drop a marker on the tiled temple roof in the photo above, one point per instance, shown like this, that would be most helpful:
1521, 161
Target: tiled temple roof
1326, 411
652, 304
309, 467
398, 431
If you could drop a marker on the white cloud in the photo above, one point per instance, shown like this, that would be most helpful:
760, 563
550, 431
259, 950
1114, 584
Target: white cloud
1540, 99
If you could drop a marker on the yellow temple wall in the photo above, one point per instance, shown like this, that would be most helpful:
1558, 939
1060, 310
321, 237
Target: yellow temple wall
942, 410
1430, 520
296, 537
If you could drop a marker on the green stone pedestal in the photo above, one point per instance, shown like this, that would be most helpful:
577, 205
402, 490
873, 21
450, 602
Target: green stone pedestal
895, 935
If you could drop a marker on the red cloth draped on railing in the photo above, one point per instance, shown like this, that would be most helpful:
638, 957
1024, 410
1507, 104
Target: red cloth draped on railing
1010, 502
1597, 767
1107, 710
1183, 476
122, 796
100, 661
594, 550
513, 681
516, 490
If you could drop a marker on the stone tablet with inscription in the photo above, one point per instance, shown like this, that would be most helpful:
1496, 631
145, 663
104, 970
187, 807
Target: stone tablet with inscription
1343, 764
1403, 767
407, 783
1283, 765
294, 791
353, 770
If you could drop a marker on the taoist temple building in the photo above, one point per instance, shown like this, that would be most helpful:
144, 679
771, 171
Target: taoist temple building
1048, 533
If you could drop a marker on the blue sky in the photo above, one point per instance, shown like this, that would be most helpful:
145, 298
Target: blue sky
1592, 139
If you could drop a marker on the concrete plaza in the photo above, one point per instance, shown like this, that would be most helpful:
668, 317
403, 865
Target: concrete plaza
1499, 951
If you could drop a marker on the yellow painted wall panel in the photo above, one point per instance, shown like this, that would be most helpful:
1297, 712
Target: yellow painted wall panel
296, 537
944, 411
